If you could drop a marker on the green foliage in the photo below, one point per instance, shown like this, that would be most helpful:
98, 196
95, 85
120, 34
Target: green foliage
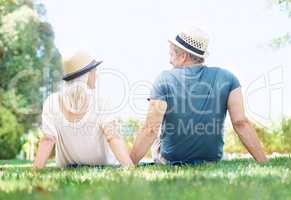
10, 133
29, 65
30, 143
276, 140
282, 41
129, 126
235, 179
29, 61
286, 133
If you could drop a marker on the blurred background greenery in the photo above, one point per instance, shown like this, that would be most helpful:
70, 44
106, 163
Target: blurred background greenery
30, 69
29, 64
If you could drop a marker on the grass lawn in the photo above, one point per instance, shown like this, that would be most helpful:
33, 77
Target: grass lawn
235, 179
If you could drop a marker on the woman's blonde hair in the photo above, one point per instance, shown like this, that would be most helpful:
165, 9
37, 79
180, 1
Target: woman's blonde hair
76, 95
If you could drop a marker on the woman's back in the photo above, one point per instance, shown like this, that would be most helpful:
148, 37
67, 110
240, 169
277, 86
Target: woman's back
79, 141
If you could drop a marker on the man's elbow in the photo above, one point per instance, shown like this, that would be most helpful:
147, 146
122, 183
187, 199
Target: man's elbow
241, 124
150, 131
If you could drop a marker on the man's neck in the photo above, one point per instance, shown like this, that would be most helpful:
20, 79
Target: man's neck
190, 64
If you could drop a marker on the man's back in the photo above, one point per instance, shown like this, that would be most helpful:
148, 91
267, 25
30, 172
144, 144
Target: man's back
190, 102
196, 97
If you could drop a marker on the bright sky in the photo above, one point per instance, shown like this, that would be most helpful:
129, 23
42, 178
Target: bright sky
131, 38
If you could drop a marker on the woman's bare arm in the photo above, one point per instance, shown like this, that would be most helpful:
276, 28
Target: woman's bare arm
117, 144
44, 151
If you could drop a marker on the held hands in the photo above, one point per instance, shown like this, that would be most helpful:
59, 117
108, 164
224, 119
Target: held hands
37, 165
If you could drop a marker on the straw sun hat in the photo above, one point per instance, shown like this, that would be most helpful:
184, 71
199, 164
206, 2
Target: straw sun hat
193, 40
77, 65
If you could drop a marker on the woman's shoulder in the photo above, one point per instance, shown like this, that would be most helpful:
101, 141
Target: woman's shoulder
51, 104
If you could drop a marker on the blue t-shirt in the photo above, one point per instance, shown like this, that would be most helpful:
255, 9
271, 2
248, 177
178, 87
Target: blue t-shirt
193, 126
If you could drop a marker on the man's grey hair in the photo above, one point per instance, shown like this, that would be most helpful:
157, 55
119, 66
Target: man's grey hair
192, 57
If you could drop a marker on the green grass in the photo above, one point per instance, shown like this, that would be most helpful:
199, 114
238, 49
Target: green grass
236, 179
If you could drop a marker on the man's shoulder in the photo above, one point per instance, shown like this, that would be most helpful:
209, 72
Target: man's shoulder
221, 71
166, 73
215, 69
226, 77
164, 76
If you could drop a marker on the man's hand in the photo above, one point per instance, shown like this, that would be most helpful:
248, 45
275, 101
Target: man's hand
243, 127
149, 131
45, 148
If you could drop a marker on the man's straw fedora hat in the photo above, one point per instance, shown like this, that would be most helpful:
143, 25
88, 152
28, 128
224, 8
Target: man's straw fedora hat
77, 65
193, 40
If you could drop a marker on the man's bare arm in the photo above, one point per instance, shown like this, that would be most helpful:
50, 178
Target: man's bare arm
243, 127
149, 131
44, 151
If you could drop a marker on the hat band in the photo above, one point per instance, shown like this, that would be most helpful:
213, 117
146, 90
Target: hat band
82, 71
188, 46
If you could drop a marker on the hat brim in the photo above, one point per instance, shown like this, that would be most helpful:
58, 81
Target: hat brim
174, 41
82, 71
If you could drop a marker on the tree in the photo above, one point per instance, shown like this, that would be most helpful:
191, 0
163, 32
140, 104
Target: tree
10, 132
29, 61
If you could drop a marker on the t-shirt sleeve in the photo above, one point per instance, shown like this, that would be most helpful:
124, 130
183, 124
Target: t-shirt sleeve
159, 88
48, 127
234, 82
